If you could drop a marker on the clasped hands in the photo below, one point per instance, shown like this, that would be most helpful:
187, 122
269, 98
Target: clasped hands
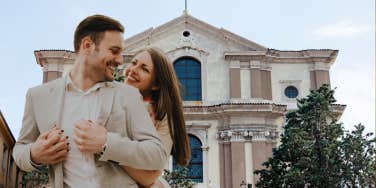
52, 146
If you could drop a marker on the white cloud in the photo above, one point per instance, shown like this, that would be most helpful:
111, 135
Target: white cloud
342, 29
355, 88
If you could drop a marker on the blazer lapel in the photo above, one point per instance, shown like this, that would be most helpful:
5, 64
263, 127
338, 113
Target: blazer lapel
55, 102
59, 93
106, 95
50, 104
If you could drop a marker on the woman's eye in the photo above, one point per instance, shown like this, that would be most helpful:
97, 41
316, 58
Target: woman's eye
146, 70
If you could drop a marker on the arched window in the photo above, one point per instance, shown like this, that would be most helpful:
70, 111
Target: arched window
195, 170
188, 71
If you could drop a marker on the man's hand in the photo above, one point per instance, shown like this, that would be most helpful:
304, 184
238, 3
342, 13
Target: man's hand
50, 147
89, 136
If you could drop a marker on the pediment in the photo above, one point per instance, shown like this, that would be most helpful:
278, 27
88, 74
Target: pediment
193, 24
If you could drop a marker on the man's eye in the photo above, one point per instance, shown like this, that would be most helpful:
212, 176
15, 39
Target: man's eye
114, 51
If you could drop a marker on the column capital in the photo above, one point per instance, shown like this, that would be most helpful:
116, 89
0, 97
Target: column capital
205, 148
247, 135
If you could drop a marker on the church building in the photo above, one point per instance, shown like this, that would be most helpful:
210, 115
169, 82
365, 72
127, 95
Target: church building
236, 93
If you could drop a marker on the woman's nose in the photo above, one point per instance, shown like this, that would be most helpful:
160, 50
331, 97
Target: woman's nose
133, 70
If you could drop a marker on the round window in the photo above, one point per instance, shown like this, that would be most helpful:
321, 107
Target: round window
186, 33
291, 92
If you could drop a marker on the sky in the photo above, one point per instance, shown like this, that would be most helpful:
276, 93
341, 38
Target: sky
346, 25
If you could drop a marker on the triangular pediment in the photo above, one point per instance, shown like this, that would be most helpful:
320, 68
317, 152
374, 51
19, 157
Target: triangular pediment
192, 23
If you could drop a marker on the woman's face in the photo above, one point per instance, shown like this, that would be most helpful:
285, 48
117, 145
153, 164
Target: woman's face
140, 73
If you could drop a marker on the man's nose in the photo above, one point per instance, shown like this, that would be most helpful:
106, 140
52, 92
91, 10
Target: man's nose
119, 59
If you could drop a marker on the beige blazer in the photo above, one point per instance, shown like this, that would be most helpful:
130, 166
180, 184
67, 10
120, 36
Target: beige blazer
132, 139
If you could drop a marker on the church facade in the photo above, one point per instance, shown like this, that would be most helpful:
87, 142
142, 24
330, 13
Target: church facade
236, 93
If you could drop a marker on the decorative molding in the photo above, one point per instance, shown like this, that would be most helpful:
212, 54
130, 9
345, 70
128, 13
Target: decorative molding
191, 22
248, 134
319, 66
235, 108
245, 65
325, 56
198, 54
44, 57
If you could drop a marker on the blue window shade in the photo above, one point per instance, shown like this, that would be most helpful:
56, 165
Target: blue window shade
188, 71
195, 170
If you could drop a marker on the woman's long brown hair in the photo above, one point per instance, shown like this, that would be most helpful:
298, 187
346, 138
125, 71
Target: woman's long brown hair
169, 103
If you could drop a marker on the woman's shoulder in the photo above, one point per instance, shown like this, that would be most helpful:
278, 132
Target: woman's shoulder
164, 133
162, 125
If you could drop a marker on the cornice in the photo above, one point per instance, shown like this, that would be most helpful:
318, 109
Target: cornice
42, 55
234, 108
189, 21
277, 56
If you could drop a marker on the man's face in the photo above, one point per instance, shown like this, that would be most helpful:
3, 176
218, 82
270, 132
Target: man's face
104, 57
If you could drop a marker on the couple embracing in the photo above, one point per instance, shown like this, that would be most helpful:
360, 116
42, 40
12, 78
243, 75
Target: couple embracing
94, 132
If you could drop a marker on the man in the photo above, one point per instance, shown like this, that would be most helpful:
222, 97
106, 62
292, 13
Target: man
84, 126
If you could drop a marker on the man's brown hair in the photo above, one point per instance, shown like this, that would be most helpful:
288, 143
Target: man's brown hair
94, 27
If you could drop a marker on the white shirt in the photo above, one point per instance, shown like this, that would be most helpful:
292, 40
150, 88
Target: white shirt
79, 168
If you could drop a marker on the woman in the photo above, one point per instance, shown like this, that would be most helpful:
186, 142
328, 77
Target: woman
151, 72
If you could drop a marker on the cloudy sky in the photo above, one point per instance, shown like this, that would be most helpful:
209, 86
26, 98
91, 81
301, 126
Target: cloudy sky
346, 25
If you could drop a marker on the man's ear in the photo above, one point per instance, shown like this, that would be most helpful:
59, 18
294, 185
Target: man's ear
87, 45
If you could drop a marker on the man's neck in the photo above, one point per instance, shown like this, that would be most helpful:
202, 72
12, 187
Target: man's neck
80, 77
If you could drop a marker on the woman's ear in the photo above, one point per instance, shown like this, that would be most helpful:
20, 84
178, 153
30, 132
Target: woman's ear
154, 88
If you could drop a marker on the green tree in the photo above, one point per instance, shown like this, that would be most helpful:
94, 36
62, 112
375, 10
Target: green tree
178, 178
309, 154
358, 154
35, 178
117, 76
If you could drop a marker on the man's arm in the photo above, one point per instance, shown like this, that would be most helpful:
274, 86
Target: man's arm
33, 148
28, 134
143, 150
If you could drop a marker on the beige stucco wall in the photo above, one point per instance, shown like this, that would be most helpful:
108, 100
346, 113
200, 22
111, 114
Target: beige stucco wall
297, 74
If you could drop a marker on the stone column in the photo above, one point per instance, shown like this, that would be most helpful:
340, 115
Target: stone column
248, 162
235, 83
237, 163
226, 165
52, 70
318, 78
261, 151
261, 86
266, 84
319, 75
51, 75
245, 80
205, 150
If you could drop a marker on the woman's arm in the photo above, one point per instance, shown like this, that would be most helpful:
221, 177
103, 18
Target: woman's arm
145, 178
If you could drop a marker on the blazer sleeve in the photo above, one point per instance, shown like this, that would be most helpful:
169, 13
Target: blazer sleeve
164, 134
28, 134
142, 149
